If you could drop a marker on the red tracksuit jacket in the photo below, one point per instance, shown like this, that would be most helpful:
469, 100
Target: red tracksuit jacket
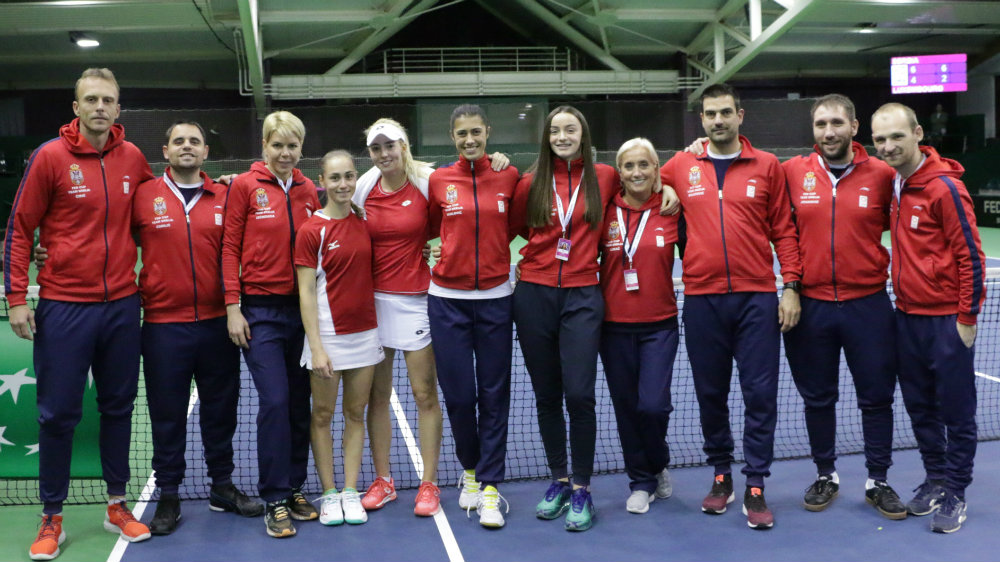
259, 232
840, 223
470, 211
82, 201
181, 279
538, 258
730, 230
653, 261
938, 266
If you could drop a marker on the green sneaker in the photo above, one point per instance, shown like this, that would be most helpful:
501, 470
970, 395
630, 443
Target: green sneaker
555, 502
581, 512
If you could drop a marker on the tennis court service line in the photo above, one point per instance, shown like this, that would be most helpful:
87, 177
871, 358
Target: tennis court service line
440, 519
147, 493
990, 377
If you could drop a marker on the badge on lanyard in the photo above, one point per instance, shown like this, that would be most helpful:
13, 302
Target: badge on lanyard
631, 280
562, 249
565, 216
628, 249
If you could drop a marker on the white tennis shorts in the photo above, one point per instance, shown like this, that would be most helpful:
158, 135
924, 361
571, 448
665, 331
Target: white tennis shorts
348, 351
402, 321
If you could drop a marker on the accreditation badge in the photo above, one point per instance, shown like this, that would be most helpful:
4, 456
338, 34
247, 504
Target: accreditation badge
631, 280
562, 249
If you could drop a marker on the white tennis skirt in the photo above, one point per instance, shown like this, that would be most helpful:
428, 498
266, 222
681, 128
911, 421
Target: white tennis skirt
348, 351
402, 321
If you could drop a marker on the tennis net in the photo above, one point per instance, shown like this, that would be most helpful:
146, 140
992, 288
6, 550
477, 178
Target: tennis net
525, 456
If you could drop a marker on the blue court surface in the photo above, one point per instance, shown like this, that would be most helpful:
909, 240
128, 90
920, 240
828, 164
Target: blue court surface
673, 529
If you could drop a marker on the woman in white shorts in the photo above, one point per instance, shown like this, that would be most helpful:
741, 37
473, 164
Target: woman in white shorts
394, 196
333, 259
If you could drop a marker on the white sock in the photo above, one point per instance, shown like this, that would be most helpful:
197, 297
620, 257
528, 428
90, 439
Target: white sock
832, 476
869, 484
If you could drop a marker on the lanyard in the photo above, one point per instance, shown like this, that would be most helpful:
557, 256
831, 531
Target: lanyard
566, 217
628, 249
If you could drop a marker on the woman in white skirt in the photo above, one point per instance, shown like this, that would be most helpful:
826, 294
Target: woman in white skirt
333, 259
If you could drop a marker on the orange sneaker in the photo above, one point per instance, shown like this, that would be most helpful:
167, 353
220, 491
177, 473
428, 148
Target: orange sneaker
428, 500
119, 519
50, 536
381, 492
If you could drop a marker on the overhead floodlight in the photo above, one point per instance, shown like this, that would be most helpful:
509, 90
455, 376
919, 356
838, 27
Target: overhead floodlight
83, 40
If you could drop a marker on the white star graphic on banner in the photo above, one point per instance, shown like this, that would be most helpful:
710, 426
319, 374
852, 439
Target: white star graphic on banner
2, 440
32, 449
13, 383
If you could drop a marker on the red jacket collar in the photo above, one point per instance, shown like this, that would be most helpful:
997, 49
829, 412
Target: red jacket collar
78, 144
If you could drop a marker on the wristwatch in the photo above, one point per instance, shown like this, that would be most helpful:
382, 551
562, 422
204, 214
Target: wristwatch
794, 285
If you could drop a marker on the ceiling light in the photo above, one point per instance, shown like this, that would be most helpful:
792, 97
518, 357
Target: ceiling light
83, 40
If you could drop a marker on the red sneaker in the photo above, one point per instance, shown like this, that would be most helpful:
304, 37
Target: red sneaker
756, 510
50, 536
381, 492
119, 519
428, 500
720, 496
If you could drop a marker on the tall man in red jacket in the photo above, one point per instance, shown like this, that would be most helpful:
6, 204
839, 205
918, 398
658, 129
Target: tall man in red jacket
735, 206
78, 190
178, 220
840, 198
938, 277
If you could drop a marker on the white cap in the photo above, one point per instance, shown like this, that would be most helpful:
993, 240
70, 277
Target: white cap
388, 131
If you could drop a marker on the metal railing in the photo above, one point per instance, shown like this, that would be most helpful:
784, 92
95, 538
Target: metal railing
462, 59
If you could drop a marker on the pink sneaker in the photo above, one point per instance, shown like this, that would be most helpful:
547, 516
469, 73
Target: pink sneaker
381, 492
428, 500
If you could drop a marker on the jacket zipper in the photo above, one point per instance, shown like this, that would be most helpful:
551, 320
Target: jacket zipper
107, 211
569, 224
194, 277
475, 197
725, 252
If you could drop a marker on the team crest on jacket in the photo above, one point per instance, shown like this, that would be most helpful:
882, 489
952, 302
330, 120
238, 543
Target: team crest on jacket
809, 182
159, 206
614, 233
262, 201
451, 194
694, 175
75, 174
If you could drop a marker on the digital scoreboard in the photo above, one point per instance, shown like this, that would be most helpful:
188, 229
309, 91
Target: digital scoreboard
929, 74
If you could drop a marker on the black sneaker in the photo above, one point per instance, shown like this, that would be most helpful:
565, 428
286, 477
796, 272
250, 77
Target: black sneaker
720, 496
885, 500
759, 516
168, 513
276, 520
228, 498
820, 494
300, 508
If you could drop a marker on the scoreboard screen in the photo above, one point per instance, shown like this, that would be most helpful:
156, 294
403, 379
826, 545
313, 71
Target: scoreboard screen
929, 74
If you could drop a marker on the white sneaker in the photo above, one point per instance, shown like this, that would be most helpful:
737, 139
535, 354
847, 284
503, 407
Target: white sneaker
330, 511
469, 498
639, 502
354, 512
663, 487
489, 508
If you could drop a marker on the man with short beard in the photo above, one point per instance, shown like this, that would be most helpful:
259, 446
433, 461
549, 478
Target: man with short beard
840, 199
735, 207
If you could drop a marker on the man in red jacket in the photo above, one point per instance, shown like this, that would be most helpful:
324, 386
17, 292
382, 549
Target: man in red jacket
77, 189
178, 220
938, 278
735, 206
840, 199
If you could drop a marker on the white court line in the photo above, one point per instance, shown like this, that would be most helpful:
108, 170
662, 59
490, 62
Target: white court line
985, 376
440, 519
147, 493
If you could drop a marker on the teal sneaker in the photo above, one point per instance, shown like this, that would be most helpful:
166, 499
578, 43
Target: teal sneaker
555, 502
581, 512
